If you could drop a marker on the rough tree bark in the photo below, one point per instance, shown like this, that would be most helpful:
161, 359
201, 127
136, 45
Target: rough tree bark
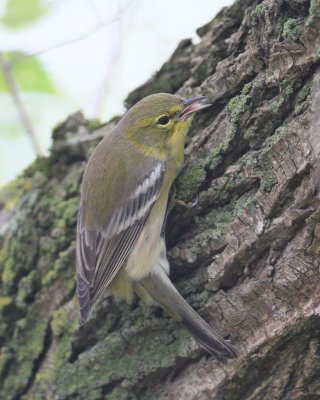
247, 257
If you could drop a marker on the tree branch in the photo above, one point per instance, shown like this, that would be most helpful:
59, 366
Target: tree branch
14, 92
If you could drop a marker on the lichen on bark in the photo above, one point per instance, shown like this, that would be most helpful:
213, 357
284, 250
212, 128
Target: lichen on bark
247, 257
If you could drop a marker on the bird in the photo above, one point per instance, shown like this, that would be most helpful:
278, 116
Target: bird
123, 205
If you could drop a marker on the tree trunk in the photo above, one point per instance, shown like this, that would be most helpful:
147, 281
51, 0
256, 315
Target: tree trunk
246, 257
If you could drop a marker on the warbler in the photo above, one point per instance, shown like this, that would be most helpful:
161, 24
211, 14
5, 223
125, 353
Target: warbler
123, 206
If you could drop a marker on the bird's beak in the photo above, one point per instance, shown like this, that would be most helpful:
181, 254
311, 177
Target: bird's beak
193, 105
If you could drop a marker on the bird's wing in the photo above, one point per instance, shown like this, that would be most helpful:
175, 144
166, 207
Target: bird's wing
102, 251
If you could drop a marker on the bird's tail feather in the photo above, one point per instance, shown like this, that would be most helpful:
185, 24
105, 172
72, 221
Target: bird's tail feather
161, 290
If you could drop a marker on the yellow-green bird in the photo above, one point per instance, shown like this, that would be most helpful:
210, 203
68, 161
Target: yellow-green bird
124, 201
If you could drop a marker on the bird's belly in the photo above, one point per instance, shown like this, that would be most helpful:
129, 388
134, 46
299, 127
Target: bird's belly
146, 252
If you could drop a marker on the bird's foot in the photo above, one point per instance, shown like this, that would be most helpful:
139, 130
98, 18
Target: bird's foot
189, 204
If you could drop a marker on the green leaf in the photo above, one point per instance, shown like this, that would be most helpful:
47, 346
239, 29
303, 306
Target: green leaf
29, 74
21, 13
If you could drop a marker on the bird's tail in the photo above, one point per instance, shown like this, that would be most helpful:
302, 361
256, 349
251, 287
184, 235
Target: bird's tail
160, 288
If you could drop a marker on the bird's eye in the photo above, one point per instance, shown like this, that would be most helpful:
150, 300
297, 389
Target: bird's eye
164, 120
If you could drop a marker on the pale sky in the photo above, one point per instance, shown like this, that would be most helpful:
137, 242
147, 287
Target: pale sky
114, 47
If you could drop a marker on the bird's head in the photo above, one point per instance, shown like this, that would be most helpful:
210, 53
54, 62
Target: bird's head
159, 119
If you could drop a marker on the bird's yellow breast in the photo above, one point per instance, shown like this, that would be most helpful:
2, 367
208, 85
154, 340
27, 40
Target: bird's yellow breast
146, 252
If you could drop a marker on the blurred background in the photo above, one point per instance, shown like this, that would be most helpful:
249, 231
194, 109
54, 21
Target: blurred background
60, 56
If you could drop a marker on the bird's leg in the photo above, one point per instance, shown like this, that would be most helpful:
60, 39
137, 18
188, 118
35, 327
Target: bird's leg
172, 201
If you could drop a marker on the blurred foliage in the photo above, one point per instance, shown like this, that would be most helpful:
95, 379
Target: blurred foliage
29, 74
11, 129
35, 86
21, 13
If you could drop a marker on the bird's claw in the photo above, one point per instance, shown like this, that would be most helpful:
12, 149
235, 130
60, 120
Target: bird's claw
190, 204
